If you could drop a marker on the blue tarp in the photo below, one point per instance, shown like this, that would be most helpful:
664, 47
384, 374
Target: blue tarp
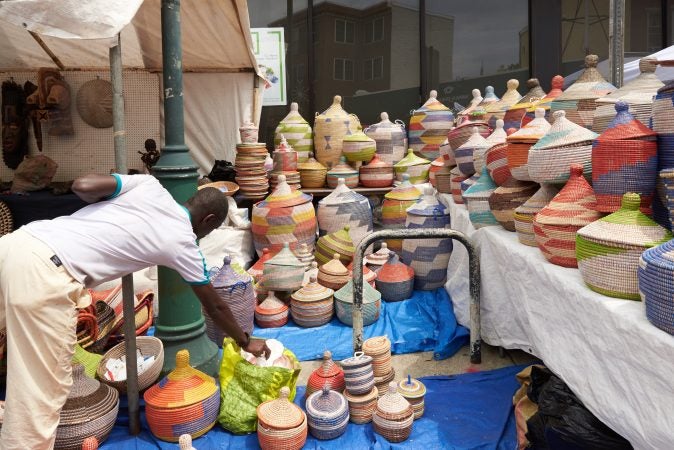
467, 411
425, 322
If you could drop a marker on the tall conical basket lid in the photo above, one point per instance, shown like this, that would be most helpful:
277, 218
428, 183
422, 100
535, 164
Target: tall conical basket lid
625, 126
284, 196
510, 97
563, 132
433, 104
334, 110
228, 277
294, 115
405, 191
370, 294
280, 413
341, 194
392, 402
428, 205
590, 85
285, 257
533, 131
88, 399
411, 160
498, 136
534, 94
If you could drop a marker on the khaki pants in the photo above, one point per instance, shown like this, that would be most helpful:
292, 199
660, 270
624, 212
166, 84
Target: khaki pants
37, 307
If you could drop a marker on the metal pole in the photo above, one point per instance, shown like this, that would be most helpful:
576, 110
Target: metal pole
423, 52
310, 56
616, 41
420, 233
129, 327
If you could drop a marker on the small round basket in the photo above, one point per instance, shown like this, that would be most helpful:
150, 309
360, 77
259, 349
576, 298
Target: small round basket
226, 187
148, 346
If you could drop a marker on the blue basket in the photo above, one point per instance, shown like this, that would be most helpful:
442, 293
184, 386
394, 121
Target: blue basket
656, 285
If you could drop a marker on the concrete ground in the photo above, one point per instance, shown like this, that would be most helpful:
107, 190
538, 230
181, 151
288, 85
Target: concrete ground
423, 364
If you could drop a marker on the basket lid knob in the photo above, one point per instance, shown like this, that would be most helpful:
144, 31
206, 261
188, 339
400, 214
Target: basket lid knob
489, 90
433, 94
335, 256
621, 106
648, 64
499, 123
347, 228
384, 116
182, 359
557, 82
384, 246
340, 181
591, 61
631, 201
185, 442
512, 84
392, 387
227, 260
476, 93
284, 392
314, 265
576, 170
294, 107
327, 355
532, 83
337, 99
539, 113
558, 115
406, 176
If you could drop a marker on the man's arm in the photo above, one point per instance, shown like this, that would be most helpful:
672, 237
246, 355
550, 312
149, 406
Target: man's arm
222, 316
92, 188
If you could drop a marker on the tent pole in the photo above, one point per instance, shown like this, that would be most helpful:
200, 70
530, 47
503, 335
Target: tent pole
129, 327
47, 50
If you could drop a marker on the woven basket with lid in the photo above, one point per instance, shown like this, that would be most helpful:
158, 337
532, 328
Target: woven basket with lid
328, 374
339, 242
376, 260
656, 285
497, 110
579, 99
272, 312
313, 305
394, 208
564, 144
344, 304
417, 168
285, 216
466, 153
281, 424
428, 257
442, 165
515, 114
330, 128
509, 196
463, 115
556, 225
496, 155
358, 374
90, 410
333, 274
379, 349
362, 407
414, 392
638, 93
394, 416
488, 98
283, 272
369, 275
185, 401
390, 138
429, 126
498, 135
624, 159
344, 207
521, 141
477, 201
327, 413
257, 269
395, 280
524, 215
557, 84
455, 180
358, 147
459, 135
342, 171
608, 249
377, 173
284, 157
312, 173
297, 131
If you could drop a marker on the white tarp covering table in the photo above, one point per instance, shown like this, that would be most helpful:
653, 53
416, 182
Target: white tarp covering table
618, 364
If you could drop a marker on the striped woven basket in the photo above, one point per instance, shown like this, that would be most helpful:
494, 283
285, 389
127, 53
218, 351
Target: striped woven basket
394, 208
608, 249
327, 374
342, 171
327, 414
624, 159
342, 208
358, 374
344, 304
417, 168
414, 392
313, 305
515, 114
524, 215
656, 285
466, 184
395, 280
330, 128
496, 160
390, 138
358, 147
297, 131
663, 122
459, 135
334, 274
443, 183
477, 201
555, 226
376, 173
455, 180
509, 196
429, 126
579, 99
471, 154
337, 243
394, 416
281, 425
521, 141
379, 348
362, 407
312, 173
272, 312
497, 110
284, 157
283, 272
564, 144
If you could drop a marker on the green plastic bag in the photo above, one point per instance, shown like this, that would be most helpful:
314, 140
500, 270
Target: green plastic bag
243, 386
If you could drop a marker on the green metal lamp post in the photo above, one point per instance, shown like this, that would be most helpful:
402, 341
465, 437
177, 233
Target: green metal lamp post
180, 324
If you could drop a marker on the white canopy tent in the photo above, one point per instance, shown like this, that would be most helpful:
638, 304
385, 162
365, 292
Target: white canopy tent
218, 63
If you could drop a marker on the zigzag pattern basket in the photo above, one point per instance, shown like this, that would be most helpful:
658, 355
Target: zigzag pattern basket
390, 138
297, 132
344, 207
330, 128
656, 285
429, 126
466, 155
507, 197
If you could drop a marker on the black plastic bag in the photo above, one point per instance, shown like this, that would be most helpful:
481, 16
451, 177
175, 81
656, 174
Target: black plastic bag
222, 171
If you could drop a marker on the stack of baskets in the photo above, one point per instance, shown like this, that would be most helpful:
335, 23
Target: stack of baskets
414, 392
297, 131
524, 215
281, 424
328, 374
90, 410
390, 138
429, 126
344, 207
377, 173
342, 171
624, 159
509, 196
428, 257
312, 305
394, 208
608, 250
515, 114
477, 201
417, 168
285, 163
471, 154
251, 175
556, 225
312, 173
272, 312
360, 392
497, 110
344, 303
330, 128
327, 414
394, 416
285, 216
379, 349
333, 274
521, 141
336, 243
185, 401
395, 280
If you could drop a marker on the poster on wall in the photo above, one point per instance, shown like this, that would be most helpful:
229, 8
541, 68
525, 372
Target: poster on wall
269, 50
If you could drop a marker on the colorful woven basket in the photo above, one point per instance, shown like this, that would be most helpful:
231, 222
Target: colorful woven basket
624, 159
515, 114
464, 114
390, 138
281, 425
272, 312
656, 287
327, 414
477, 201
362, 407
394, 208
395, 280
339, 243
379, 349
414, 392
358, 147
429, 126
455, 180
608, 250
638, 93
358, 374
376, 173
555, 226
284, 157
496, 160
394, 416
89, 411
524, 215
375, 261
474, 148
467, 184
497, 110
312, 305
344, 304
443, 183
327, 374
564, 144
333, 274
509, 196
521, 141
297, 131
285, 217
283, 272
330, 128
427, 257
342, 171
459, 135
185, 401
148, 346
257, 269
344, 207
381, 383
417, 168
498, 135
489, 97
312, 173
442, 164
579, 99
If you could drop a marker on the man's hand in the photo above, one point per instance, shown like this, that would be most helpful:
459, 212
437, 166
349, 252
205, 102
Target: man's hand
258, 347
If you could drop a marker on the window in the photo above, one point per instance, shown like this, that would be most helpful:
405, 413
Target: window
345, 31
373, 68
653, 29
343, 69
374, 30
